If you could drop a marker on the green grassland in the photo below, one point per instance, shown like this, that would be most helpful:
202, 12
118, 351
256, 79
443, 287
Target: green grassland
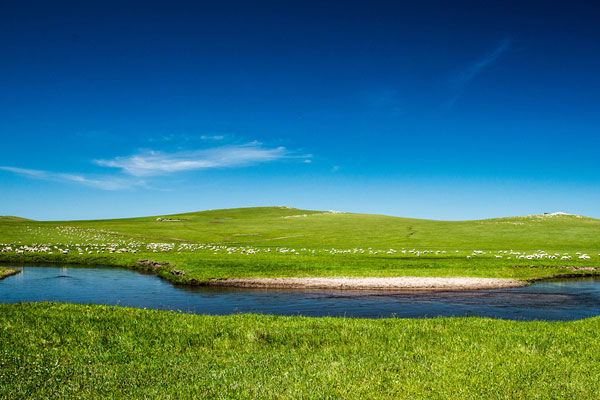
287, 242
76, 351
50, 350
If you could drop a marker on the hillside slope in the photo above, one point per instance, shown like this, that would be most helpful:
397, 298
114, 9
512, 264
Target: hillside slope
286, 242
282, 226
13, 218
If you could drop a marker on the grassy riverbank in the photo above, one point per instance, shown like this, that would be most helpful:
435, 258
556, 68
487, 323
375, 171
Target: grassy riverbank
60, 350
6, 272
284, 242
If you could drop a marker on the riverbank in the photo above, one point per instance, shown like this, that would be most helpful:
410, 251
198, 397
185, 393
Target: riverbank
54, 350
5, 272
372, 283
202, 269
351, 273
117, 286
279, 242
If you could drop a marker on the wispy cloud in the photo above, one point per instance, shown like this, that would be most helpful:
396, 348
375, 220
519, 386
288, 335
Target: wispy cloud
134, 169
186, 138
212, 137
104, 182
461, 80
153, 163
385, 102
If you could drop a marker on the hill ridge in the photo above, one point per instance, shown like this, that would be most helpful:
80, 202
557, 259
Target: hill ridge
13, 218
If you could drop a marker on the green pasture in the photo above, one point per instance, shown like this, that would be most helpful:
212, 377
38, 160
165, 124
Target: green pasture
316, 243
50, 350
76, 351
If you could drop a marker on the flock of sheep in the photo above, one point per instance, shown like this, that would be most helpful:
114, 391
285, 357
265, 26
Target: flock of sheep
91, 241
538, 255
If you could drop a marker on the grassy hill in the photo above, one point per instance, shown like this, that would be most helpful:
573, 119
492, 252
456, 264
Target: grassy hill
282, 226
282, 241
12, 218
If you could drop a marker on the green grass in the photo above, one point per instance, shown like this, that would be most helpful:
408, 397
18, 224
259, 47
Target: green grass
76, 351
73, 351
12, 218
6, 272
319, 240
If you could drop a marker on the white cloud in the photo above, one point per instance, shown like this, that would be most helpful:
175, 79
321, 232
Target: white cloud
22, 171
185, 138
105, 183
134, 168
468, 74
212, 137
154, 163
473, 70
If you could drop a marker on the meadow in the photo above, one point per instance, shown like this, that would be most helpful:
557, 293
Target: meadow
50, 350
53, 350
287, 242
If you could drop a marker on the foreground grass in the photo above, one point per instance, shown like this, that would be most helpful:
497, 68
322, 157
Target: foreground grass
59, 350
319, 244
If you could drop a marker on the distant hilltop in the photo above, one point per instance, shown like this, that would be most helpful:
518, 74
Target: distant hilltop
558, 213
13, 218
287, 212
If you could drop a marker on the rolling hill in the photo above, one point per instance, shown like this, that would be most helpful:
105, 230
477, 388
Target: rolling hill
288, 242
283, 226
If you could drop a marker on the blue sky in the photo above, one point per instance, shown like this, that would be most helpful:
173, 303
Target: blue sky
443, 110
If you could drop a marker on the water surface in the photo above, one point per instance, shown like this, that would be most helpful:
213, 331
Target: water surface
546, 300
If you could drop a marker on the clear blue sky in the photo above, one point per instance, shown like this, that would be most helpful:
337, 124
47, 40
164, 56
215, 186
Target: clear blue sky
444, 110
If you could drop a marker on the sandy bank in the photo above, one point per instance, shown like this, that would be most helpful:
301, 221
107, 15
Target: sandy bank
397, 283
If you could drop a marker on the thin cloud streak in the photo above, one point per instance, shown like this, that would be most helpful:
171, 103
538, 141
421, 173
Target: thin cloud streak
467, 75
134, 168
154, 163
104, 183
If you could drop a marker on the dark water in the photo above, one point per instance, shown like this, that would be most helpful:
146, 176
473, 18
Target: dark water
548, 300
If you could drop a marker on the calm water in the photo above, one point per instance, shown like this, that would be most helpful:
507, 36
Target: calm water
548, 300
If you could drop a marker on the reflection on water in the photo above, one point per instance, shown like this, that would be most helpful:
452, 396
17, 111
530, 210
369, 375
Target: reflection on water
547, 300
